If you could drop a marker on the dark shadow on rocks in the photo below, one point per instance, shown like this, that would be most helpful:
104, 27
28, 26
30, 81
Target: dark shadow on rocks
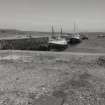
101, 61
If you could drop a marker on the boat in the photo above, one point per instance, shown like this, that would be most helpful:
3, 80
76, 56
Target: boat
75, 37
57, 42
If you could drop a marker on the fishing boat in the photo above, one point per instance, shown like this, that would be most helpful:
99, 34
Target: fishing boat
75, 37
57, 42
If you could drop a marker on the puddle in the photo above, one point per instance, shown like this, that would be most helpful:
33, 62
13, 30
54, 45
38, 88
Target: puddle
16, 58
10, 57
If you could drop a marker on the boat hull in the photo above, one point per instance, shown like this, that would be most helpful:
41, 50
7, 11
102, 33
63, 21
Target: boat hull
74, 41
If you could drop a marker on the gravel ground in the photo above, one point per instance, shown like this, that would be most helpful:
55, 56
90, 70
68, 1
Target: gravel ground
51, 78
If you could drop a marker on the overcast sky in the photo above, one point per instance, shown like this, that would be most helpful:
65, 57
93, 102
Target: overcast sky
41, 14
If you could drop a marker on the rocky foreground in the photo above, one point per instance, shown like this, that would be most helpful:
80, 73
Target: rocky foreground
51, 78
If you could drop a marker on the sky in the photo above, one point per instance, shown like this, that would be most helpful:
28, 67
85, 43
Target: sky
39, 15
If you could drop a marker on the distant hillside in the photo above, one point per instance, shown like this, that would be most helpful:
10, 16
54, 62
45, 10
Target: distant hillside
15, 31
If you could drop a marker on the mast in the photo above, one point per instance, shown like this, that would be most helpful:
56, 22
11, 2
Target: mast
52, 30
76, 33
74, 28
61, 31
